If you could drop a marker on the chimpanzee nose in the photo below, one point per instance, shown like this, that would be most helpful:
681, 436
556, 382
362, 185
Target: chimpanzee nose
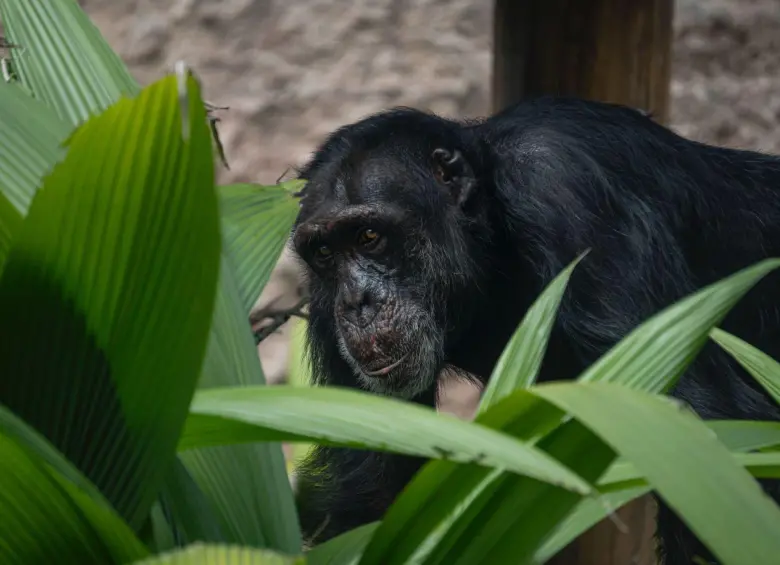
359, 305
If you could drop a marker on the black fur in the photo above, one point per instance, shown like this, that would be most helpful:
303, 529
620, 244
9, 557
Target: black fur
547, 179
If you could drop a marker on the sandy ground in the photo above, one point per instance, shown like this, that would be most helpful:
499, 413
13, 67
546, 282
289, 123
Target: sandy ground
293, 71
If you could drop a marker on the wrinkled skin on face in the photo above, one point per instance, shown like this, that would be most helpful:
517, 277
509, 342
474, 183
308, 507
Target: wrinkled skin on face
373, 233
385, 327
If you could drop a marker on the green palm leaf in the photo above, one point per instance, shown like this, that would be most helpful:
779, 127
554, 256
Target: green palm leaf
625, 483
65, 62
47, 520
652, 432
246, 484
745, 435
521, 359
650, 358
590, 511
760, 365
345, 549
30, 144
63, 59
13, 427
491, 519
187, 511
256, 222
364, 420
623, 473
201, 554
118, 264
10, 222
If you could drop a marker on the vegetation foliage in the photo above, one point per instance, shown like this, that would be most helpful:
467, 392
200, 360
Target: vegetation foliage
135, 422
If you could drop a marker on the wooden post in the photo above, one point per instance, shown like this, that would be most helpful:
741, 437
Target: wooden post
608, 50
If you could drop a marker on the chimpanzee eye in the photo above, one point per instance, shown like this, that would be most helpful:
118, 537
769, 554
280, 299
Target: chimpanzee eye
324, 252
368, 237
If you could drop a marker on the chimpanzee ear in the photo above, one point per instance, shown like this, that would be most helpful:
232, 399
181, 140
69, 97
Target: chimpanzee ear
453, 171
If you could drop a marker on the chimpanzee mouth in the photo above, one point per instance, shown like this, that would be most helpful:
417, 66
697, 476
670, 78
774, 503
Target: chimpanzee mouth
402, 377
385, 370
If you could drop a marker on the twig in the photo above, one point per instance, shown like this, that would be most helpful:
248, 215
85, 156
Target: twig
278, 318
213, 107
210, 109
6, 65
287, 170
5, 44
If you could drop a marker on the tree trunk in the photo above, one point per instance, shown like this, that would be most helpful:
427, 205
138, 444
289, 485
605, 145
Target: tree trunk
608, 50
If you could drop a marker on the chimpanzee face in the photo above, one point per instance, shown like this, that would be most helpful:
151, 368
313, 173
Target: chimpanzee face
381, 264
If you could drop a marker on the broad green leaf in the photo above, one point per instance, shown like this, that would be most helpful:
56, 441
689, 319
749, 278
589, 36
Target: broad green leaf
10, 222
364, 420
684, 462
298, 374
628, 483
31, 135
344, 549
650, 358
765, 465
298, 369
63, 59
187, 509
760, 365
107, 294
91, 502
246, 484
505, 499
201, 554
620, 477
744, 435
13, 427
416, 516
47, 520
256, 222
231, 357
160, 530
624, 473
450, 531
488, 523
521, 359
192, 516
590, 511
667, 342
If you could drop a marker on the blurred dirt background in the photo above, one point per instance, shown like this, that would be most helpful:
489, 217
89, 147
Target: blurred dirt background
291, 71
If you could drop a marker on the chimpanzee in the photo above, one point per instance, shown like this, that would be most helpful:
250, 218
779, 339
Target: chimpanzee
425, 241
